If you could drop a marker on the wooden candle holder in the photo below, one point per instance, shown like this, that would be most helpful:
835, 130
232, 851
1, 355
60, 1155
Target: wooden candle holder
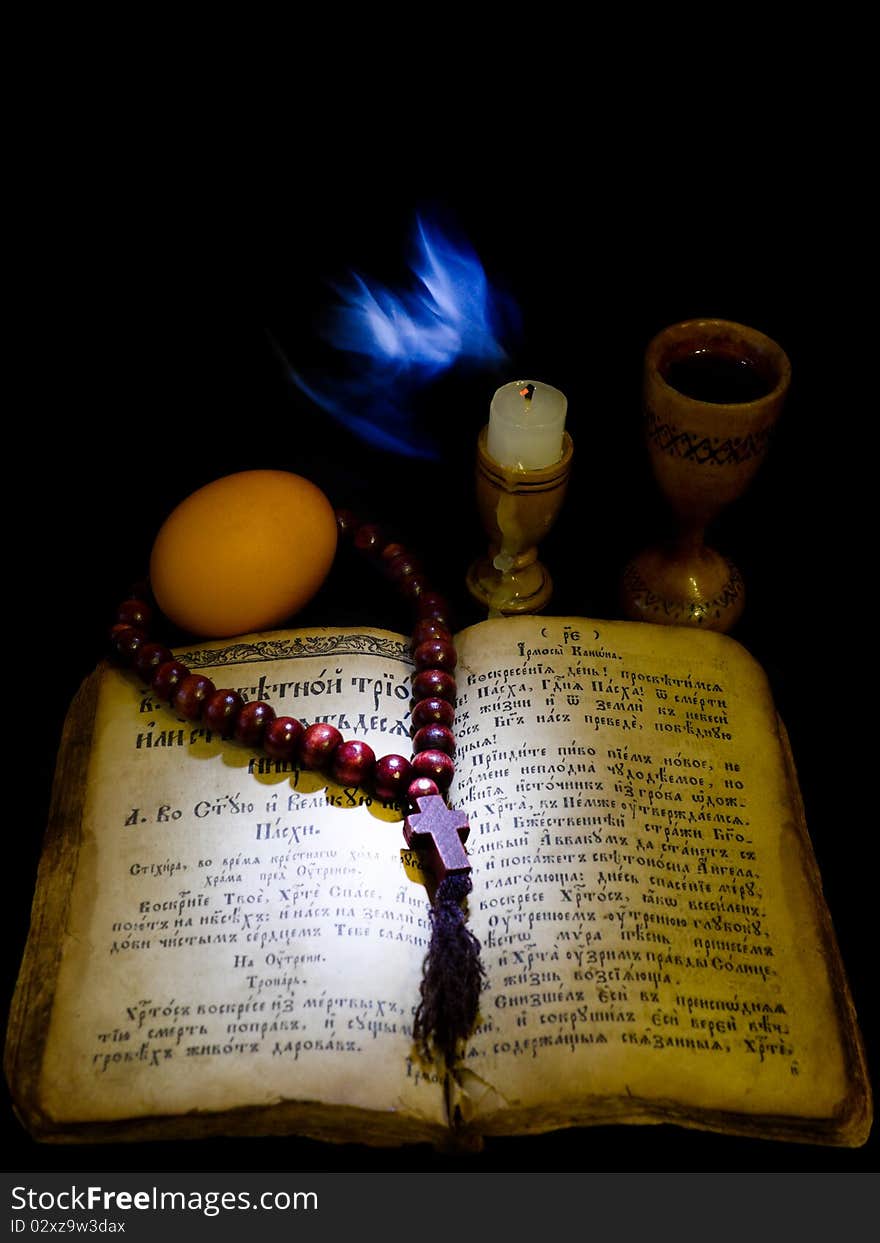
517, 509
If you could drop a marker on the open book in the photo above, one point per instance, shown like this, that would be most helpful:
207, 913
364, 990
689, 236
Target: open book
222, 944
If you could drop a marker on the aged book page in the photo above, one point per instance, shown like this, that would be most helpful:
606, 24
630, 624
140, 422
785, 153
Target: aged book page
652, 924
237, 938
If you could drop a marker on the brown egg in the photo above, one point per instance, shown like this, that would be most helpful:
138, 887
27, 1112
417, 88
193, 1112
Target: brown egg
243, 553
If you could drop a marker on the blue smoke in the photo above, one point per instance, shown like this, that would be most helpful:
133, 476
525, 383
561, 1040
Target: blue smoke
399, 341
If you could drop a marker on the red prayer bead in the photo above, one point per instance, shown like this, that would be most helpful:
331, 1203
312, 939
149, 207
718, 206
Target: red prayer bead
435, 737
402, 567
168, 678
413, 586
282, 737
149, 657
191, 696
422, 787
431, 604
391, 776
390, 551
346, 523
318, 744
433, 711
434, 684
135, 613
368, 538
434, 764
251, 723
126, 642
430, 628
435, 654
221, 711
353, 763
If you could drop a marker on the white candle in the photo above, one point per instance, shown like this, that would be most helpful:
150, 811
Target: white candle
526, 424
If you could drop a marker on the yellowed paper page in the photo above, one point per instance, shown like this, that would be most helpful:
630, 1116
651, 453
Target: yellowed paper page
241, 936
648, 926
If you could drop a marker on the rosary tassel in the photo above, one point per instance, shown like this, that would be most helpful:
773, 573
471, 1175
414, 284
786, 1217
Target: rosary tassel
452, 975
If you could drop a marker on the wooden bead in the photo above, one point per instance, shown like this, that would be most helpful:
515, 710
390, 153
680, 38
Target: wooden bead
126, 642
135, 613
346, 523
318, 744
191, 696
390, 551
353, 763
168, 678
251, 723
402, 567
434, 764
434, 684
435, 654
282, 738
412, 586
221, 712
429, 628
421, 787
435, 737
432, 604
148, 658
432, 711
391, 776
368, 538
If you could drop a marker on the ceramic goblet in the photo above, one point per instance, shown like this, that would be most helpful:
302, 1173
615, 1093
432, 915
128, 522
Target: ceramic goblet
712, 392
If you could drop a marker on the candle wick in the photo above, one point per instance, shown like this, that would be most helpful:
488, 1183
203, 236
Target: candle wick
527, 392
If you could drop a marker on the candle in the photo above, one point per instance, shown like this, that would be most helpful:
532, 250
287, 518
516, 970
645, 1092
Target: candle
526, 424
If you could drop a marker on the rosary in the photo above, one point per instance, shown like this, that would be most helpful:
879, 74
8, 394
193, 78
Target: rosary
452, 972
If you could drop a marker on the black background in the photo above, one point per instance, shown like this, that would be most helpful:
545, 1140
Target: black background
151, 372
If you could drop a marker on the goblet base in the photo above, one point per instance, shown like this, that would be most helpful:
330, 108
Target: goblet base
509, 586
698, 588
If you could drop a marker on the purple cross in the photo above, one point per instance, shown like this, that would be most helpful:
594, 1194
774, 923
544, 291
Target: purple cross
442, 831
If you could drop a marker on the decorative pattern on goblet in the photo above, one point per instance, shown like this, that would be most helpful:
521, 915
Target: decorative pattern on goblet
705, 445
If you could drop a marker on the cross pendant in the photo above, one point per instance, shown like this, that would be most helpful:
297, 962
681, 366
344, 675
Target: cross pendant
442, 831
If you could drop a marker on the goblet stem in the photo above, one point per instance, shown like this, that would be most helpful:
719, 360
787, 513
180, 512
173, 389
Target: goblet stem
685, 583
690, 542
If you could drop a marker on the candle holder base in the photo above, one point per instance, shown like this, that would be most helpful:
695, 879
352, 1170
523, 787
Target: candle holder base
507, 586
517, 509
